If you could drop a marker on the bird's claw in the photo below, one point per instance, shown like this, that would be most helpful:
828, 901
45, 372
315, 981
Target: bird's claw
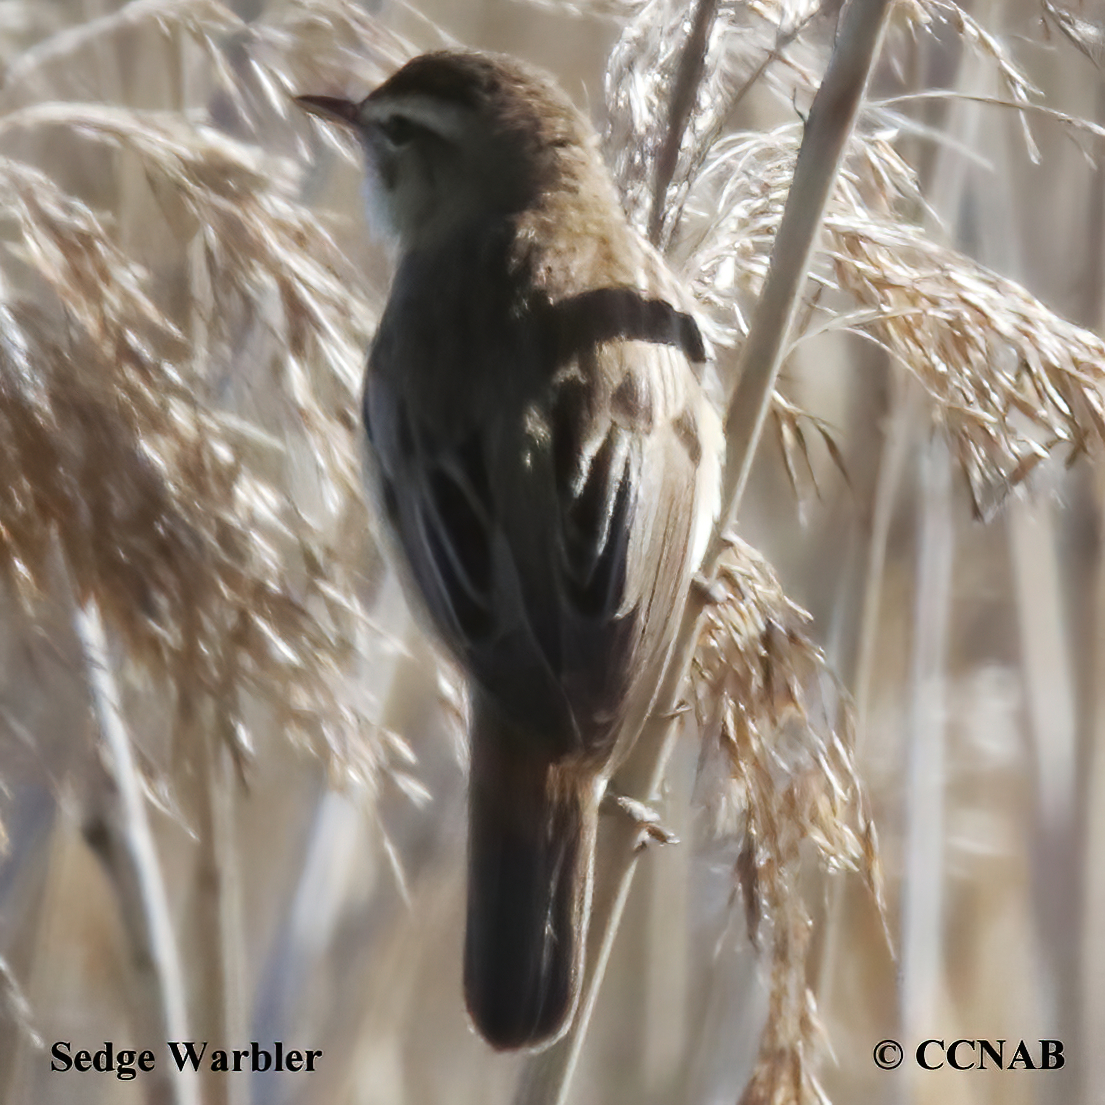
646, 819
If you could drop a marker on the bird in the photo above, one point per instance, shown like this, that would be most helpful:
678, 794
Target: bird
545, 459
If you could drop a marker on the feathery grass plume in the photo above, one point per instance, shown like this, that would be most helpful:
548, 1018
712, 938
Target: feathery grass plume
709, 235
109, 452
759, 690
1011, 380
734, 204
742, 43
737, 201
171, 510
927, 14
734, 210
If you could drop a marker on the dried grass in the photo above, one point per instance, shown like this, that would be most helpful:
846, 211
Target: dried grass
1011, 381
742, 43
766, 700
162, 447
171, 509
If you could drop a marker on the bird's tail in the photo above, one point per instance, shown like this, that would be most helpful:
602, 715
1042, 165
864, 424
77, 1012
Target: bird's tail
531, 844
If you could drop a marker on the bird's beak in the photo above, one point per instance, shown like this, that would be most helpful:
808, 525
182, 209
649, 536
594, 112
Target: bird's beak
331, 108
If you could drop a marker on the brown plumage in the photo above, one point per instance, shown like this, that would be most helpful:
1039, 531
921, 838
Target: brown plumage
547, 464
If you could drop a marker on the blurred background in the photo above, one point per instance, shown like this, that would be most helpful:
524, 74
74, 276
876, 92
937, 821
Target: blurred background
232, 769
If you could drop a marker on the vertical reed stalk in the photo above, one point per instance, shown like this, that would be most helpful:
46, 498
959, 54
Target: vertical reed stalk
121, 836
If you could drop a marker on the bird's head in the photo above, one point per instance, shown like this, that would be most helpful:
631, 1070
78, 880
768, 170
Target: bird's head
458, 136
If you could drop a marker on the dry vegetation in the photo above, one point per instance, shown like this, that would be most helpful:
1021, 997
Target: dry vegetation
219, 730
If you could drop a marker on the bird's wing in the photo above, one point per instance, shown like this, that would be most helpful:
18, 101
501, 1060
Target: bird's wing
551, 543
635, 447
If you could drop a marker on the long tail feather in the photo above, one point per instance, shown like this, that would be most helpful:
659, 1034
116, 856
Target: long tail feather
530, 862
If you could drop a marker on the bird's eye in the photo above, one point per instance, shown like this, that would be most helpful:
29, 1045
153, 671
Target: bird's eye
398, 129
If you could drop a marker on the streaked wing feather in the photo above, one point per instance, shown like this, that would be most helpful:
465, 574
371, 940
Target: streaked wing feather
627, 479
